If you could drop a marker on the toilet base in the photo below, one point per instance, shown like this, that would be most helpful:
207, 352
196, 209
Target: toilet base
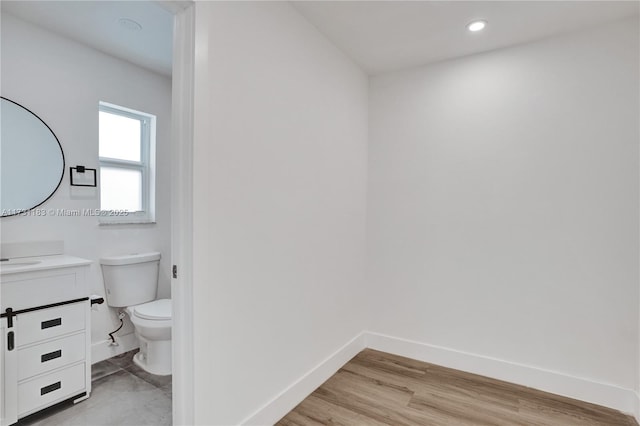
154, 356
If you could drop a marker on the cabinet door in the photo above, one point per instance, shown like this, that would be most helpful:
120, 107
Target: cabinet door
8, 375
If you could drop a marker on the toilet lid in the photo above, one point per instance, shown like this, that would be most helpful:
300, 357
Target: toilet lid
156, 310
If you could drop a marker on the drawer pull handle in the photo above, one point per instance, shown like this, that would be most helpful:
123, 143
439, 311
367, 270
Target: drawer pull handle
51, 355
51, 323
55, 386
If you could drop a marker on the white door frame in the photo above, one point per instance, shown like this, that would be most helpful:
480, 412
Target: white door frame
181, 209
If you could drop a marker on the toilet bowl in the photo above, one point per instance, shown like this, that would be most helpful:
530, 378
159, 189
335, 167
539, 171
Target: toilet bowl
131, 283
152, 322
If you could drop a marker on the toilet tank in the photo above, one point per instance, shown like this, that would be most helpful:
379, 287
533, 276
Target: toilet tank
131, 279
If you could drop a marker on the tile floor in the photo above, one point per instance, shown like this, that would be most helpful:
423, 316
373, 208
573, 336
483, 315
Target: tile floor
122, 394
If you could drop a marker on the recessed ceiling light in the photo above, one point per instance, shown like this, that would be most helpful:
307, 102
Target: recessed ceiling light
476, 26
129, 24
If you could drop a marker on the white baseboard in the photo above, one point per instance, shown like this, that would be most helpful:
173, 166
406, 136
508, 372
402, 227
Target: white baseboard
102, 350
608, 395
286, 400
624, 400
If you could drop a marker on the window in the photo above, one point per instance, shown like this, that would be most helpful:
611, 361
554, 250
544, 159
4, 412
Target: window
127, 165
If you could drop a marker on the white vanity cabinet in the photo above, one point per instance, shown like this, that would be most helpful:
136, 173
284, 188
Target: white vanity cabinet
46, 334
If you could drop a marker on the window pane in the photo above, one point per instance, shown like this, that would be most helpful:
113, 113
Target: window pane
120, 189
119, 137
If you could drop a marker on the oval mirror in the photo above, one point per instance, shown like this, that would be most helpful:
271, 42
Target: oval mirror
31, 159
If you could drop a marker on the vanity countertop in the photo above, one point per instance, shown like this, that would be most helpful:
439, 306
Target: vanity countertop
40, 263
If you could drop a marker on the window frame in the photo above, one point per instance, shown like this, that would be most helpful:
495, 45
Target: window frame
146, 166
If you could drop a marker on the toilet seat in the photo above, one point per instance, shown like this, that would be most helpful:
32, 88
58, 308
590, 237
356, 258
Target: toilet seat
157, 310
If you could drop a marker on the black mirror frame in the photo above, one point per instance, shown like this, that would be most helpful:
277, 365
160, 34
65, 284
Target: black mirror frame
61, 152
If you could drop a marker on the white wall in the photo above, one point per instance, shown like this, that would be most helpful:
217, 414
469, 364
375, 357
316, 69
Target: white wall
62, 82
503, 204
279, 204
503, 197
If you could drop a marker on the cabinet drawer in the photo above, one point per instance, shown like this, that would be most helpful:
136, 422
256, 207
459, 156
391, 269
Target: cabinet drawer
48, 323
50, 388
23, 291
48, 356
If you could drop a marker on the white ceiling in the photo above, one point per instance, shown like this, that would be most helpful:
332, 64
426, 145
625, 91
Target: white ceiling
384, 36
380, 36
95, 23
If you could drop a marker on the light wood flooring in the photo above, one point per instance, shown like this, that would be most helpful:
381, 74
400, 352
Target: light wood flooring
377, 388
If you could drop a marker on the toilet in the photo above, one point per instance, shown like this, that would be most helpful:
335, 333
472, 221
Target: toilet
131, 283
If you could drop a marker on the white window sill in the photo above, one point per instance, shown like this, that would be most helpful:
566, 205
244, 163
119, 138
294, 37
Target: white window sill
133, 218
129, 222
